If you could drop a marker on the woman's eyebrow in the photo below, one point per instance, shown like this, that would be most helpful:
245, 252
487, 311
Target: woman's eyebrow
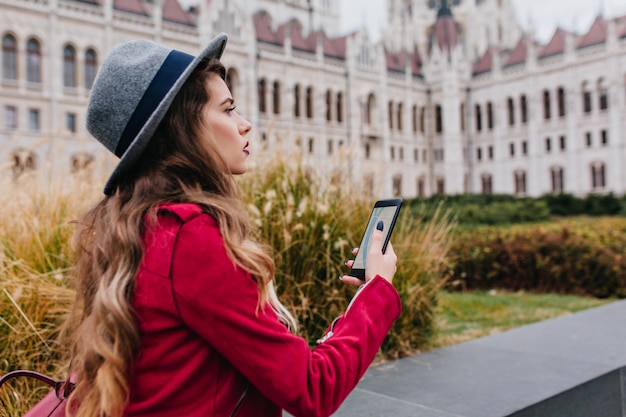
228, 100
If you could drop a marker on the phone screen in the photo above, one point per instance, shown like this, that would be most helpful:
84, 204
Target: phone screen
387, 211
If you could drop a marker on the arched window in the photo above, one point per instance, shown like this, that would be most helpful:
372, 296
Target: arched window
523, 102
587, 107
9, 57
603, 94
309, 102
598, 175
520, 182
339, 107
69, 66
329, 105
479, 118
276, 97
91, 64
438, 119
510, 105
400, 110
296, 100
556, 174
370, 108
262, 89
397, 185
546, 105
421, 192
486, 184
33, 61
561, 101
22, 161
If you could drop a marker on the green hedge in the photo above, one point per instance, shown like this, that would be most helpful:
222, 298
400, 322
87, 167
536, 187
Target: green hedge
584, 256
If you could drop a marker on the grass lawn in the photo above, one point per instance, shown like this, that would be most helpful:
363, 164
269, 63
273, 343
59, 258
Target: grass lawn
465, 316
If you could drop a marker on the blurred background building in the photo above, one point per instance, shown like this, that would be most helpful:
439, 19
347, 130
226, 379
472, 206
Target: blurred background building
454, 97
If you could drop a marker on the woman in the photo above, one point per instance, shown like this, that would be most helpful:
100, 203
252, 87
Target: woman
177, 313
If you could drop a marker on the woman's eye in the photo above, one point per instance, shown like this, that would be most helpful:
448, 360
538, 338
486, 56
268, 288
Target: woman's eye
231, 109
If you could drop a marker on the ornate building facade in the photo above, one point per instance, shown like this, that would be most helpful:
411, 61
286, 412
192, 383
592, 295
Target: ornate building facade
455, 97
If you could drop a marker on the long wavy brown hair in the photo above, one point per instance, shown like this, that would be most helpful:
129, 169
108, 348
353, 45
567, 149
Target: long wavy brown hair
175, 167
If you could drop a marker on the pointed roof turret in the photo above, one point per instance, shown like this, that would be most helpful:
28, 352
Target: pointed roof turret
445, 34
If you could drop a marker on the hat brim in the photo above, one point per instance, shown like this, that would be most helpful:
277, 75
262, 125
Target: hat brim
214, 49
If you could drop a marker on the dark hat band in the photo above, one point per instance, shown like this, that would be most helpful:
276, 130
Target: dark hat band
174, 65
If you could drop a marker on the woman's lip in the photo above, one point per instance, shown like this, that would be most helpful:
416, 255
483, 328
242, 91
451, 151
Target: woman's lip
245, 148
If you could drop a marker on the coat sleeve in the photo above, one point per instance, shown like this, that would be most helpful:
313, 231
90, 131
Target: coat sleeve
219, 302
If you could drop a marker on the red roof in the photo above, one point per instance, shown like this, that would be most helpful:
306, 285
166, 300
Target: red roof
445, 33
555, 46
596, 34
173, 12
485, 63
331, 47
133, 6
398, 61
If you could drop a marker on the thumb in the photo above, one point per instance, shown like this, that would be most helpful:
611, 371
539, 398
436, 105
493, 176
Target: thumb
376, 246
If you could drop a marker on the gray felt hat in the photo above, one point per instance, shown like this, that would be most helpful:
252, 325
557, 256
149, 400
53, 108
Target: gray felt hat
133, 90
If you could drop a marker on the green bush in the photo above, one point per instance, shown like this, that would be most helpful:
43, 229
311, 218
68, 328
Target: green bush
583, 257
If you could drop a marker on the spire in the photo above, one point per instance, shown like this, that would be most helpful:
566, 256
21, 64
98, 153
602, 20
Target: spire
444, 9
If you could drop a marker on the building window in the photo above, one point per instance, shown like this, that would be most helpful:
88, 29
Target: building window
490, 153
10, 117
556, 174
603, 94
232, 80
588, 139
511, 111
69, 66
423, 119
262, 88
397, 186
486, 184
34, 122
22, 161
309, 102
369, 108
329, 105
598, 178
546, 105
70, 122
524, 148
414, 119
548, 145
392, 153
438, 119
400, 110
562, 143
479, 118
339, 107
420, 187
586, 98
462, 117
604, 135
276, 97
91, 64
80, 161
424, 155
33, 61
311, 145
520, 182
296, 99
416, 155
441, 186
524, 108
512, 149
561, 101
367, 151
329, 147
479, 154
390, 114
9, 57
489, 115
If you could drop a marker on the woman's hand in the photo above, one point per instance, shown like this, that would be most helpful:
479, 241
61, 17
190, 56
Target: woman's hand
377, 262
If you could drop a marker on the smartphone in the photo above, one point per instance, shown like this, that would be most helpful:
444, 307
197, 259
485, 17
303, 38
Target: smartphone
387, 211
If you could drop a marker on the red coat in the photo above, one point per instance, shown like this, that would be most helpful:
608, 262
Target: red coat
202, 341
